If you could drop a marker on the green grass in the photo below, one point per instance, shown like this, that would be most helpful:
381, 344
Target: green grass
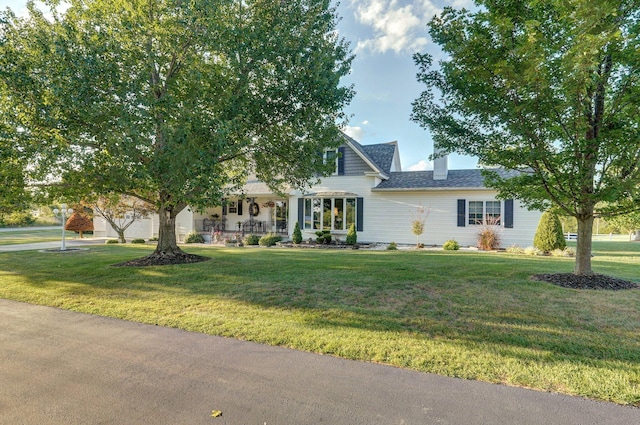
471, 315
32, 235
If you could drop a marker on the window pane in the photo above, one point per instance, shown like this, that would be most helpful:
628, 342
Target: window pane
350, 212
317, 213
331, 156
307, 214
493, 212
326, 214
475, 212
338, 214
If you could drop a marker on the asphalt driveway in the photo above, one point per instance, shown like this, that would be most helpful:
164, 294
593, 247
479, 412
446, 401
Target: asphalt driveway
60, 367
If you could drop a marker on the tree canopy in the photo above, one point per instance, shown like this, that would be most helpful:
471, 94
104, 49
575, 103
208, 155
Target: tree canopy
176, 102
547, 87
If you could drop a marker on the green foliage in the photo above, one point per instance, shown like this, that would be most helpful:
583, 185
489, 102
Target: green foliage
297, 234
323, 236
251, 240
17, 219
352, 235
392, 246
451, 245
532, 85
549, 234
138, 241
111, 241
162, 99
193, 237
269, 239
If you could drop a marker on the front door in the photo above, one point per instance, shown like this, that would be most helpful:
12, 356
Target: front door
280, 217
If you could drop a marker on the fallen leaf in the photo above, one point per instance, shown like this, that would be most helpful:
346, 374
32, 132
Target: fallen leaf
216, 413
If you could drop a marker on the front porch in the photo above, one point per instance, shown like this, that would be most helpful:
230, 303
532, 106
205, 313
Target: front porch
244, 216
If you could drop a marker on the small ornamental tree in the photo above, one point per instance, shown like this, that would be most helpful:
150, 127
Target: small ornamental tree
549, 234
297, 234
352, 235
121, 211
417, 224
79, 222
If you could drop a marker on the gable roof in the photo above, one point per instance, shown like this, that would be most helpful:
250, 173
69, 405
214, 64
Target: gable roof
423, 180
382, 154
379, 156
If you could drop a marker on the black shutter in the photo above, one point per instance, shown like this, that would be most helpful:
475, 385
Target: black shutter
301, 213
359, 214
341, 161
462, 213
240, 206
508, 213
224, 206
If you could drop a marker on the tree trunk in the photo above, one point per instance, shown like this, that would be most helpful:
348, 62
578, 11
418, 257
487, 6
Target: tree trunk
167, 242
583, 251
121, 238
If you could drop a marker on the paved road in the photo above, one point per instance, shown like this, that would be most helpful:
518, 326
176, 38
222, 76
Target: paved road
69, 243
60, 367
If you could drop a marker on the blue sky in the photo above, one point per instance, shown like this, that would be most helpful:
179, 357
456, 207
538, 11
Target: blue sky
384, 34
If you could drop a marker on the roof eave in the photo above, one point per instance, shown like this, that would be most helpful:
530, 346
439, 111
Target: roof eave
428, 189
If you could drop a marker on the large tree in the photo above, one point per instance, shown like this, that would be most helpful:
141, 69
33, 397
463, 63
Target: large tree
547, 87
176, 102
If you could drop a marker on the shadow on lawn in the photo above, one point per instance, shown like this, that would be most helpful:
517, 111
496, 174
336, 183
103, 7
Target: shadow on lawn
467, 298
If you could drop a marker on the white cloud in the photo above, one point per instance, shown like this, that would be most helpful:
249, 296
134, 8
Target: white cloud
397, 27
356, 133
421, 165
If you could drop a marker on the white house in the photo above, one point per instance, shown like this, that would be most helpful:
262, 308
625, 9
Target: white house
370, 190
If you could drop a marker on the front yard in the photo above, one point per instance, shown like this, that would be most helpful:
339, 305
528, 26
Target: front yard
471, 315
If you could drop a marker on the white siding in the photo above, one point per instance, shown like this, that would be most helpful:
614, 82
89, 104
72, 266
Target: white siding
147, 227
391, 213
388, 215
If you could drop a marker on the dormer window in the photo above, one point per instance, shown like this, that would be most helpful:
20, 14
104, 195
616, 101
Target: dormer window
331, 156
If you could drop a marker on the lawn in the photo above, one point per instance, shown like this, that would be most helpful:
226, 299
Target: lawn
33, 235
471, 315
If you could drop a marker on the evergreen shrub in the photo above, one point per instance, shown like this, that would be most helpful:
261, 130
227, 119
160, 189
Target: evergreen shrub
352, 235
297, 234
549, 236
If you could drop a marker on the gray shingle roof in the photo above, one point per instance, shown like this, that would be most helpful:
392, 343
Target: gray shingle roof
423, 180
381, 154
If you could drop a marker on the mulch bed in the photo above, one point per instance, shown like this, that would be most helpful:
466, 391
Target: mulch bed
156, 259
594, 281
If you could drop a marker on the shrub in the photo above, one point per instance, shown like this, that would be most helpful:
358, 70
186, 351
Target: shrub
137, 241
251, 240
19, 218
194, 237
392, 246
297, 234
549, 234
79, 222
488, 237
451, 245
323, 236
352, 235
269, 239
531, 250
111, 241
515, 249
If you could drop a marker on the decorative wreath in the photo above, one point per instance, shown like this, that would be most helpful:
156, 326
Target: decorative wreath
254, 209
